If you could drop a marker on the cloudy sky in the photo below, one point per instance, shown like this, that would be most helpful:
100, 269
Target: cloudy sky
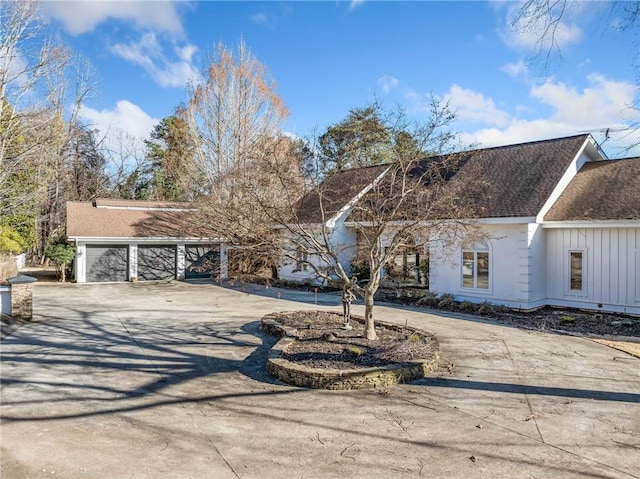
328, 57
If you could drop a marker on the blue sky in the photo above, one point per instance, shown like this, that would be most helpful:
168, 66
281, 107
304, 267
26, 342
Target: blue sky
328, 57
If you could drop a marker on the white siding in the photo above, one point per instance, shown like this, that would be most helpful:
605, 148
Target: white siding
611, 268
516, 267
342, 240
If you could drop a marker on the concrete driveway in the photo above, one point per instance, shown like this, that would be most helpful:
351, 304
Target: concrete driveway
167, 381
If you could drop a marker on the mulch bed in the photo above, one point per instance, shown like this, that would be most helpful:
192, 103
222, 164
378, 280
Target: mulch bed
322, 343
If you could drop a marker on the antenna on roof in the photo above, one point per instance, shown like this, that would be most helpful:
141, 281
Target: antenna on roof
605, 131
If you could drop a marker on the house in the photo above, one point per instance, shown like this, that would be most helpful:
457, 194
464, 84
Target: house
122, 240
561, 226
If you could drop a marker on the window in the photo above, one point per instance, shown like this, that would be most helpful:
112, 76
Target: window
475, 267
576, 269
302, 263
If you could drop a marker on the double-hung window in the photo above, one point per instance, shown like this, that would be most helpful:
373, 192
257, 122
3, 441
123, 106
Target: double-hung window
475, 266
302, 260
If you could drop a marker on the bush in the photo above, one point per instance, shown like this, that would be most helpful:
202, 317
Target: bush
61, 255
468, 307
429, 299
486, 309
10, 240
447, 301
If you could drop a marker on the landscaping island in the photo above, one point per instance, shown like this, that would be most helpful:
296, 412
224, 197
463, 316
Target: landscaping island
316, 351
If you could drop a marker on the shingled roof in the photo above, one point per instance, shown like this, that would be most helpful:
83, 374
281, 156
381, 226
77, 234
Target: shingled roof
132, 219
515, 180
602, 190
506, 181
337, 191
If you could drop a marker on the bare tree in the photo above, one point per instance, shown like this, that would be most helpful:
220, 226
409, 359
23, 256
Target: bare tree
234, 116
409, 201
230, 111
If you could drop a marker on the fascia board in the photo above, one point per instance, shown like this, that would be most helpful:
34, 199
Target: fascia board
592, 224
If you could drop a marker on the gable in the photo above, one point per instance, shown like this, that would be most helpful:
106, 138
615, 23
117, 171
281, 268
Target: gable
335, 193
602, 190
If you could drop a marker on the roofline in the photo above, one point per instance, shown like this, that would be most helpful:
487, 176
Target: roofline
506, 220
137, 239
144, 208
513, 145
331, 223
569, 174
592, 224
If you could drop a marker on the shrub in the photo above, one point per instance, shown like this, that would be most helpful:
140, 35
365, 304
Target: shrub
10, 240
429, 299
61, 255
447, 301
486, 309
468, 307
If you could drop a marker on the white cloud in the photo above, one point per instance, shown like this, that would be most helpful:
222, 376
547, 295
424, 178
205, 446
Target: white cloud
388, 83
149, 54
475, 107
605, 103
545, 32
125, 119
82, 17
16, 74
515, 69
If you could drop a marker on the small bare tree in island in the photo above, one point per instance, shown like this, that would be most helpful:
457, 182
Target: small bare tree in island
385, 177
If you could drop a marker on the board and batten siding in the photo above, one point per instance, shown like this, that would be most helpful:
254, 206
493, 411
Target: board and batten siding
611, 268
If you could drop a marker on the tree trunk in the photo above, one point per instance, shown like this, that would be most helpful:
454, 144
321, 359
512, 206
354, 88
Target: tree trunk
369, 323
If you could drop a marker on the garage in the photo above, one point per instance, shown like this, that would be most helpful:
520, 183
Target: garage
202, 261
156, 262
106, 263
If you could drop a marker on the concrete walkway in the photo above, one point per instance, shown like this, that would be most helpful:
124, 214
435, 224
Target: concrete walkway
167, 381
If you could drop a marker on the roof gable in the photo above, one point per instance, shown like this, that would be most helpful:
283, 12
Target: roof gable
335, 193
602, 190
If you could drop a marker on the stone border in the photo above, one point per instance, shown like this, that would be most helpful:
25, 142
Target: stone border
337, 379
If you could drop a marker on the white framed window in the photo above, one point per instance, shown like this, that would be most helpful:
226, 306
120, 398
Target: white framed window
577, 263
476, 264
302, 260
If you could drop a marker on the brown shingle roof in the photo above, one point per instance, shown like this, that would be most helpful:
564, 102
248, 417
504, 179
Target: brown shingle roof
335, 193
132, 219
602, 190
515, 180
506, 181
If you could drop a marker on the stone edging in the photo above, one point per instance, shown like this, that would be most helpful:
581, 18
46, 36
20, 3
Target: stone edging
337, 379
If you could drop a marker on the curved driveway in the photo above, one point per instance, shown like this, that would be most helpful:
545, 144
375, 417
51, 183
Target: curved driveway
167, 381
